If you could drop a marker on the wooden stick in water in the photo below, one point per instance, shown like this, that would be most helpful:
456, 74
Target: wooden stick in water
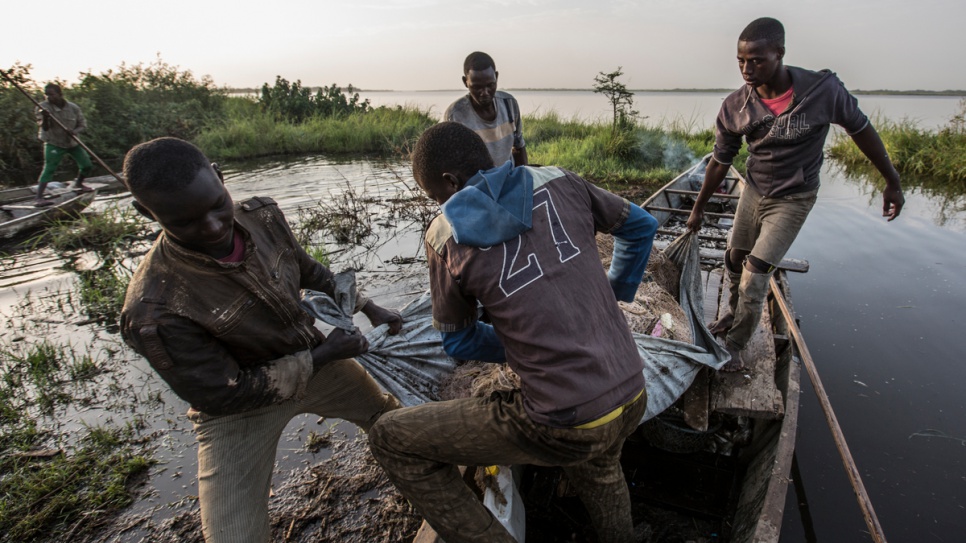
853, 472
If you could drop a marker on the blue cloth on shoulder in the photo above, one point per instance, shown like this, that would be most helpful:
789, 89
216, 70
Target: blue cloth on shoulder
495, 205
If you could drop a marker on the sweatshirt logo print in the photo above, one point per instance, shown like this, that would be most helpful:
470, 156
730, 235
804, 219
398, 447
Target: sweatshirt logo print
790, 127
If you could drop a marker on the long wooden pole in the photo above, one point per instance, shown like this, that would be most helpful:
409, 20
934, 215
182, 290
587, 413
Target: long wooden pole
853, 472
69, 131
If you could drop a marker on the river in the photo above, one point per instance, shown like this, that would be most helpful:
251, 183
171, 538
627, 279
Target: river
880, 309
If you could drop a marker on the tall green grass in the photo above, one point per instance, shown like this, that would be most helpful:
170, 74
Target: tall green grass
928, 156
249, 132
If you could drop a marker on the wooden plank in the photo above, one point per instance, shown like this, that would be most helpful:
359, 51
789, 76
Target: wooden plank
788, 264
751, 392
713, 196
427, 534
679, 211
712, 288
707, 237
696, 401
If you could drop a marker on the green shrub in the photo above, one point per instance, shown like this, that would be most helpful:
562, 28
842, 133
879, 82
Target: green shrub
295, 103
381, 130
137, 103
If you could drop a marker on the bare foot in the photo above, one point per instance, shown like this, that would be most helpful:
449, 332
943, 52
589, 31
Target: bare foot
43, 203
722, 325
80, 187
736, 363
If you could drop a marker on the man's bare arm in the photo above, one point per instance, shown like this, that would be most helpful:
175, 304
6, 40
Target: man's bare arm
869, 142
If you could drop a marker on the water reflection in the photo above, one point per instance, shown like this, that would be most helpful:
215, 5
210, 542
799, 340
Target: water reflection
881, 310
946, 199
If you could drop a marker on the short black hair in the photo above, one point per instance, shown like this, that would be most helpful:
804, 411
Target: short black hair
478, 61
449, 147
162, 165
764, 29
49, 86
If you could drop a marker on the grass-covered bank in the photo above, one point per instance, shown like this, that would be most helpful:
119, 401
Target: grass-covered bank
248, 132
932, 157
632, 154
62, 477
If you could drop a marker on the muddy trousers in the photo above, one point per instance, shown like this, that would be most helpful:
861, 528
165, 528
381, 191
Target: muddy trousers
236, 453
420, 448
764, 228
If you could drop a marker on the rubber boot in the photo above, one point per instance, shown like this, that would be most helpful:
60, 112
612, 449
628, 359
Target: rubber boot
752, 291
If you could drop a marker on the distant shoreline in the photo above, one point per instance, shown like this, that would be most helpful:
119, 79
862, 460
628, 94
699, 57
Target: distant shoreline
875, 92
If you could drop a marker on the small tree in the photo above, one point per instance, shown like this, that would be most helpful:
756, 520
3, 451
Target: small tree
621, 99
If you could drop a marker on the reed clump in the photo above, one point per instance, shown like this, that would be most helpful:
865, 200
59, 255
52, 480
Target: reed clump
56, 484
249, 132
68, 493
924, 155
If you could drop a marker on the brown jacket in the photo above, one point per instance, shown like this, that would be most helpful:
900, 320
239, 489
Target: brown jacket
228, 337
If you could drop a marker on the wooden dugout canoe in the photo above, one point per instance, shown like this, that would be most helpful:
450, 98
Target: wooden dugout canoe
19, 215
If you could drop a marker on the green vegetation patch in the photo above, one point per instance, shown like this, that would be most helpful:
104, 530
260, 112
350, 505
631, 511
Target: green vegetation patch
108, 229
49, 491
109, 235
921, 156
123, 107
250, 132
67, 494
626, 153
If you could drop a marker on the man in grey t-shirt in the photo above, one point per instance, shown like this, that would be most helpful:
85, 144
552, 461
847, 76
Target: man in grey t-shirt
493, 114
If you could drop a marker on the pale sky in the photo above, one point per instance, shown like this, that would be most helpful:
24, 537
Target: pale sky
421, 44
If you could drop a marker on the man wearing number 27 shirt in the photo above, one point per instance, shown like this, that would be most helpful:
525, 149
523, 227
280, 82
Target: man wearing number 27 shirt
521, 241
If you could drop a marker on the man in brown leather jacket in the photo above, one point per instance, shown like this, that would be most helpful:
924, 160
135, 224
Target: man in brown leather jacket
214, 307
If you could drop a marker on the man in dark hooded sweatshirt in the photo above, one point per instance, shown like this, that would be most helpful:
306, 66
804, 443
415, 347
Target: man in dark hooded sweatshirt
784, 113
521, 241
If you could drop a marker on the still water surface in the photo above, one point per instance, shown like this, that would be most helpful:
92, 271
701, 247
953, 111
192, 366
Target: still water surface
881, 309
